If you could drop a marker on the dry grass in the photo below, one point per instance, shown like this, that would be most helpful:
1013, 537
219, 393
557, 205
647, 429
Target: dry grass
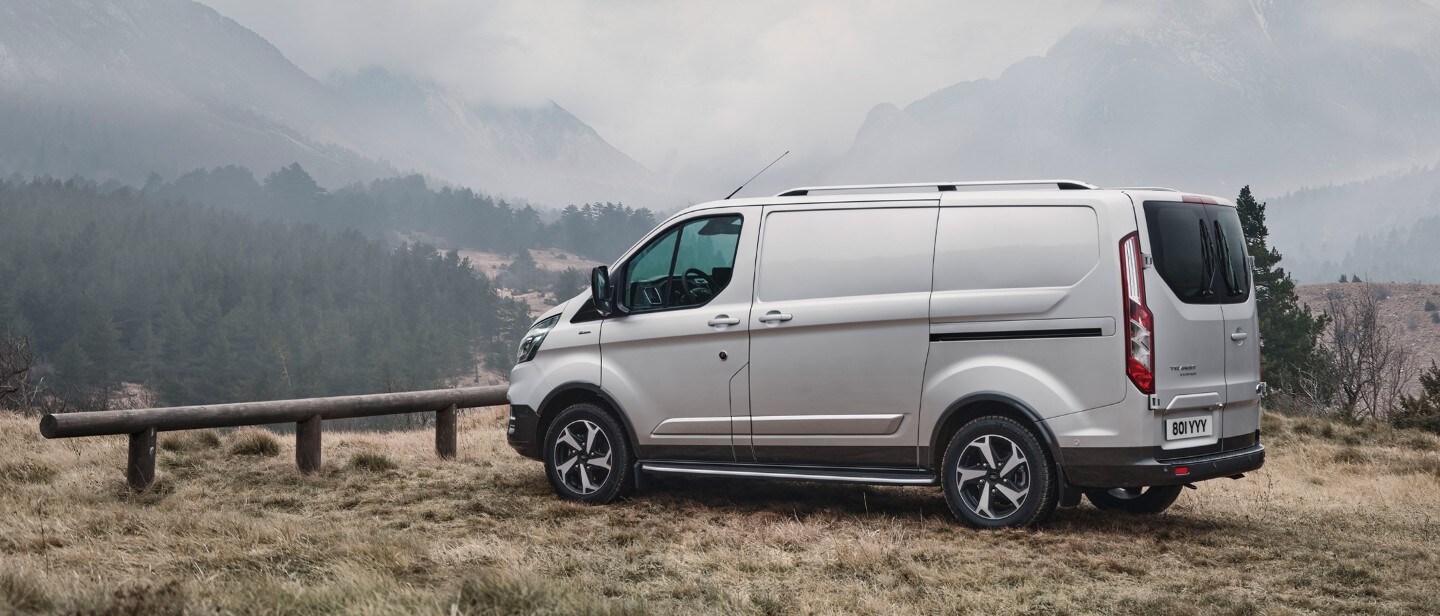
254, 442
1342, 519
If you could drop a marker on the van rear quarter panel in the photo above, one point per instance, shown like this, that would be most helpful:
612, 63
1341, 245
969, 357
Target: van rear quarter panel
1007, 266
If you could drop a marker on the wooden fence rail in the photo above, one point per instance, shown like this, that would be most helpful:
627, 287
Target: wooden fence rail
306, 413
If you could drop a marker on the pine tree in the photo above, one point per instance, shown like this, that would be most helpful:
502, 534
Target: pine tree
1290, 351
1344, 278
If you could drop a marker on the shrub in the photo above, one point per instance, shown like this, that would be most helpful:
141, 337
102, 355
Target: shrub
1430, 306
254, 442
190, 440
1421, 411
1351, 455
26, 471
372, 462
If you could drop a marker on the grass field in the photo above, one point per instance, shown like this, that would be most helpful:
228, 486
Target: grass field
1341, 519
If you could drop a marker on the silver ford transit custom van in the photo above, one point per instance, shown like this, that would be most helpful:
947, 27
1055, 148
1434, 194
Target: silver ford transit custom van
1018, 343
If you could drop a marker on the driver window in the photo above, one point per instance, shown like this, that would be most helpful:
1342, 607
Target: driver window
686, 267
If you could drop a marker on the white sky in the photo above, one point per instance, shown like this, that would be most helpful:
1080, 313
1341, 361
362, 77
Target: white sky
694, 89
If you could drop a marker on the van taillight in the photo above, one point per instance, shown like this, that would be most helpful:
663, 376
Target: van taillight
1139, 324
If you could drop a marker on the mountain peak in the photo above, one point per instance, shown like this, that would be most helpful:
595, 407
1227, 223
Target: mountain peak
1204, 95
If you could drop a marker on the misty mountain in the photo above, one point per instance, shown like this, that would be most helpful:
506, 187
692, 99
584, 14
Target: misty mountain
1383, 228
1204, 96
541, 153
117, 89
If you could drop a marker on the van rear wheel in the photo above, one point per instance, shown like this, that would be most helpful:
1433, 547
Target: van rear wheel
997, 474
1152, 499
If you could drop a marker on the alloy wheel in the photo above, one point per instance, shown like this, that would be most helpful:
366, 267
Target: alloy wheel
583, 456
993, 477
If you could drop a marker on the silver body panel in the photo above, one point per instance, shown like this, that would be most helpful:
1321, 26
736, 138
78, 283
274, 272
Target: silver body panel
864, 319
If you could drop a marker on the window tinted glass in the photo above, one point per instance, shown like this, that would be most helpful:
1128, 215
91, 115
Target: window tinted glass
706, 259
648, 275
666, 275
1199, 250
1233, 284
1179, 244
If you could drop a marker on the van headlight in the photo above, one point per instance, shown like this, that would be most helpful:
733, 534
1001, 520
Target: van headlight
531, 342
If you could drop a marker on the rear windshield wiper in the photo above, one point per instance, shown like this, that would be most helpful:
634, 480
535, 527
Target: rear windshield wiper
1232, 288
1207, 263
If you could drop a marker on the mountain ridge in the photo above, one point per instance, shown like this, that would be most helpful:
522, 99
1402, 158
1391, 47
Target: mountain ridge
117, 89
1170, 93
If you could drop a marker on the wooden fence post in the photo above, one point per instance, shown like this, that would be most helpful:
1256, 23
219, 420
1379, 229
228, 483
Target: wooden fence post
140, 469
307, 445
445, 420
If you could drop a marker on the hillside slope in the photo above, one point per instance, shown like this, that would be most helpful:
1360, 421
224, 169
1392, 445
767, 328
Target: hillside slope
1326, 526
1403, 311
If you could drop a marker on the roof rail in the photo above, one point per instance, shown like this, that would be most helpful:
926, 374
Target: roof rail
1160, 188
943, 186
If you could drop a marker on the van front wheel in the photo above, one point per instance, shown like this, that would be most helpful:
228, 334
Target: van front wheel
1153, 499
997, 474
586, 454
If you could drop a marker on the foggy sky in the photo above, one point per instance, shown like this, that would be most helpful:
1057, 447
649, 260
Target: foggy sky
701, 92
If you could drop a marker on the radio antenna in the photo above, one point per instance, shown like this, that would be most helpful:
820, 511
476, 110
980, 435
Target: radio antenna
752, 178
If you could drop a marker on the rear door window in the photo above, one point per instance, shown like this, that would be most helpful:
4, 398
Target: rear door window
1233, 284
1199, 251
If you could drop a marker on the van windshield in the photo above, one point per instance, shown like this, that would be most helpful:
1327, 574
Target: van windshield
1199, 251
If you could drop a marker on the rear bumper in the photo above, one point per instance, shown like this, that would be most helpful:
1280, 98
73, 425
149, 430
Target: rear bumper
1126, 467
522, 431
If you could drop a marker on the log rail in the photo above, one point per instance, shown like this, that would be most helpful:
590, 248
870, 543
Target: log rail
143, 425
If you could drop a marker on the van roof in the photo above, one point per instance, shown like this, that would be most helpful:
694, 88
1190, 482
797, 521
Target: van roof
840, 193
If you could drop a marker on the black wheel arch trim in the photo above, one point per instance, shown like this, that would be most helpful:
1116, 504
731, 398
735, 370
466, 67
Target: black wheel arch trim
571, 386
1036, 420
1068, 494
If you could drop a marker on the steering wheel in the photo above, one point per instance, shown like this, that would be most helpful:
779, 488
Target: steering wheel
698, 285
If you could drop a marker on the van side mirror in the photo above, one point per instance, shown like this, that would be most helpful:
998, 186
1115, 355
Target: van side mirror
601, 293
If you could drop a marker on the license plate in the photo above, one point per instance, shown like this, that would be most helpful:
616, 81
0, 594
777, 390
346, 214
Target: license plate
1189, 427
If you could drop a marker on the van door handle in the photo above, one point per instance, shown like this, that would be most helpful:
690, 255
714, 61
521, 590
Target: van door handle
775, 316
1238, 336
724, 319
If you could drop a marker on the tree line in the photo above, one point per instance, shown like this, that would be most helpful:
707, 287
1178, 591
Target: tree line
388, 208
1345, 360
204, 305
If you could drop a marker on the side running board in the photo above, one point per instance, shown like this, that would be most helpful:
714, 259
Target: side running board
873, 476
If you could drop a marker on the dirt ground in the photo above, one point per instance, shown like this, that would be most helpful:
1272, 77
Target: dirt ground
1341, 519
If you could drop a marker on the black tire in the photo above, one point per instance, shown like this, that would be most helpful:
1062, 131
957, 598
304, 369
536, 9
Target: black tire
578, 474
1001, 475
1153, 499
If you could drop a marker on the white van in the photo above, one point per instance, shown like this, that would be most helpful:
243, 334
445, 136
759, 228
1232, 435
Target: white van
1018, 343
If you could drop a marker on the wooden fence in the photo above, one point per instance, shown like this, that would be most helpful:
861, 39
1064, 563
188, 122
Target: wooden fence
142, 425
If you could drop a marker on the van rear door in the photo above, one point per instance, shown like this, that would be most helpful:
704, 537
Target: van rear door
1241, 418
1189, 337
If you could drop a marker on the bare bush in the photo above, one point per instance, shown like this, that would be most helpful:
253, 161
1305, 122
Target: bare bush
21, 391
1371, 368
